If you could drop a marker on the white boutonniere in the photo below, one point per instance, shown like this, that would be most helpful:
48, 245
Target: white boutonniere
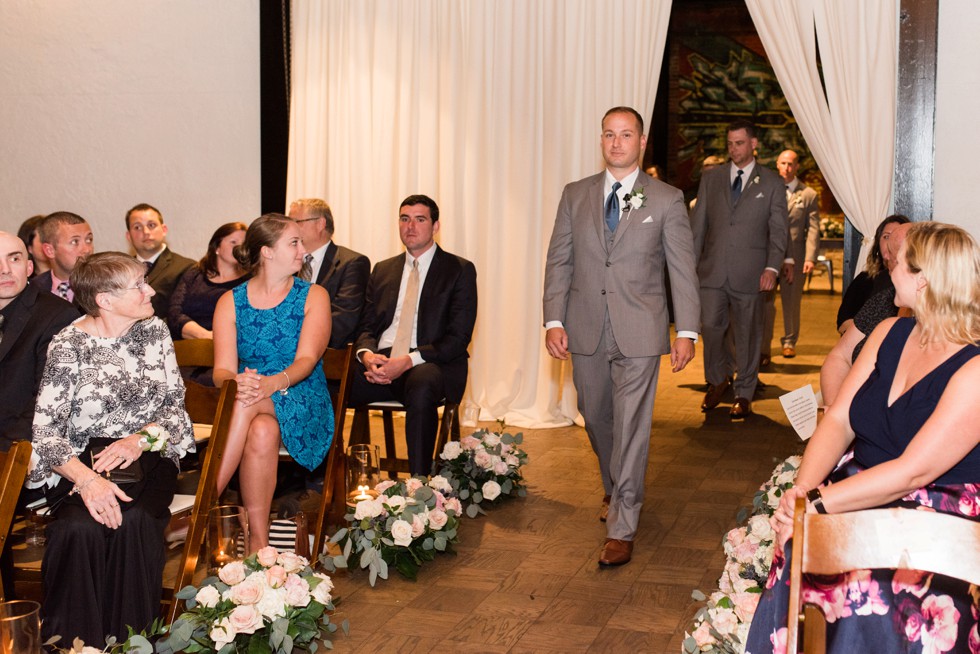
755, 180
153, 438
635, 199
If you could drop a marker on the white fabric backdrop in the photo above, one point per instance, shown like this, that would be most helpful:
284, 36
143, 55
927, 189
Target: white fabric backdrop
490, 107
851, 129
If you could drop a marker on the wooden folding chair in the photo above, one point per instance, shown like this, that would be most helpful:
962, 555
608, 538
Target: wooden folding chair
195, 353
207, 493
13, 471
199, 400
393, 465
896, 539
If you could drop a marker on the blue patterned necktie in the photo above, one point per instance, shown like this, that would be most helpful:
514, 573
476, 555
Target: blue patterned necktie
612, 208
737, 187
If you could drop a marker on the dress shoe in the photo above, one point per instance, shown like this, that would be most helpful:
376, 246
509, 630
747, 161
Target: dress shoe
616, 552
789, 351
764, 361
740, 409
713, 397
604, 511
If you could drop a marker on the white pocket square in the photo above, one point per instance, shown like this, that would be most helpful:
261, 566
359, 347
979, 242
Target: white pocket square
648, 219
760, 194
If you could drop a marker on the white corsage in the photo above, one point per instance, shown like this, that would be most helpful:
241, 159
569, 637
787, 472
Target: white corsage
755, 180
635, 199
153, 438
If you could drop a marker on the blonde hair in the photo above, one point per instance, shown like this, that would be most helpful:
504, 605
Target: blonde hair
948, 307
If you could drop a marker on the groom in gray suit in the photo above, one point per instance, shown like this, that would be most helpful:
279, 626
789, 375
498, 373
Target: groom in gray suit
740, 232
604, 303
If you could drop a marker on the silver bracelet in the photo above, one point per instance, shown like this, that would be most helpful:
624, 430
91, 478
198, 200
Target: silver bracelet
285, 389
78, 488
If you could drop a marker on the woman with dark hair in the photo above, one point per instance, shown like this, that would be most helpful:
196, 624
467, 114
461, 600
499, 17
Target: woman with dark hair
906, 417
109, 431
872, 279
269, 335
28, 233
199, 289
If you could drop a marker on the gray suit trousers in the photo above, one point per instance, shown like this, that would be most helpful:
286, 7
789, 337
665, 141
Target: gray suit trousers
745, 311
615, 396
790, 297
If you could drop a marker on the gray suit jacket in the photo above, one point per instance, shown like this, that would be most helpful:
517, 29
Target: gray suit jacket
584, 277
735, 243
804, 225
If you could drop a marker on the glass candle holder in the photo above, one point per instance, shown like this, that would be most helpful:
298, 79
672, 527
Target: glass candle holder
20, 627
363, 473
227, 538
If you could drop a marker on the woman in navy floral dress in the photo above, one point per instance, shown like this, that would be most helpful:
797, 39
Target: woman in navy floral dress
907, 408
269, 335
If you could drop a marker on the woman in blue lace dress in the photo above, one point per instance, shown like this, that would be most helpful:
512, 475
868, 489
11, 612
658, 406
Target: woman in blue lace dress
907, 408
269, 336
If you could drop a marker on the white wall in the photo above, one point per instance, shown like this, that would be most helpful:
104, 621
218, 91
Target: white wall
957, 128
105, 104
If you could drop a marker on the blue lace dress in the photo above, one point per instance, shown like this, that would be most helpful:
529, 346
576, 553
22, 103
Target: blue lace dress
267, 341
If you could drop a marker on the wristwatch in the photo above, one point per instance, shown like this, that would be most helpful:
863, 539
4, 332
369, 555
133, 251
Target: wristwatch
816, 499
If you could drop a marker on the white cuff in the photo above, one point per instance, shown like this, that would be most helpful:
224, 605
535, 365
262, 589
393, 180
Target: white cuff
551, 324
686, 334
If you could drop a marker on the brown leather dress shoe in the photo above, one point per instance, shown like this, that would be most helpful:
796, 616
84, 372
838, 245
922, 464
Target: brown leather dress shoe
713, 397
616, 552
764, 361
604, 511
740, 409
789, 351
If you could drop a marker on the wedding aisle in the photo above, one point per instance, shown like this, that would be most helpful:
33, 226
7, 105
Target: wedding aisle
525, 578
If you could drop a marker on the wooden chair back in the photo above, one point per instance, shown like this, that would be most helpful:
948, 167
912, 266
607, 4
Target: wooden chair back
195, 353
390, 463
896, 539
13, 471
207, 493
338, 367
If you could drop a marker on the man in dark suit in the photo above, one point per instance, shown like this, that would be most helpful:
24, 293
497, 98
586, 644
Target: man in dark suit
418, 320
29, 318
343, 272
65, 238
739, 225
604, 302
146, 232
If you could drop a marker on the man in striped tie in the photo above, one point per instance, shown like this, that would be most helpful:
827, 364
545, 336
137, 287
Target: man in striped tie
65, 238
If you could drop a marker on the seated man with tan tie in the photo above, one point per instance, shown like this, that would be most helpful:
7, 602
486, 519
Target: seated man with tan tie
418, 319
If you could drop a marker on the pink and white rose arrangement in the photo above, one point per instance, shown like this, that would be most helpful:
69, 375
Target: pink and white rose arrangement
483, 468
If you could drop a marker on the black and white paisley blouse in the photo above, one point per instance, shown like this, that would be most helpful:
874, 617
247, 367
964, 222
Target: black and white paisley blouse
107, 387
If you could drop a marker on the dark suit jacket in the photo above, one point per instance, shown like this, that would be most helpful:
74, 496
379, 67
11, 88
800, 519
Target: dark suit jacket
344, 273
33, 319
164, 277
446, 313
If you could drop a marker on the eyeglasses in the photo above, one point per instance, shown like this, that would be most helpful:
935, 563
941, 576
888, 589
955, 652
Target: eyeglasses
307, 220
142, 287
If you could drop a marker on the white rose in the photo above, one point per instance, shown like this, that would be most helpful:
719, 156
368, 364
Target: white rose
437, 519
723, 620
297, 591
491, 490
396, 503
368, 509
512, 461
440, 483
636, 201
321, 593
483, 459
249, 591
292, 562
208, 597
491, 439
273, 603
232, 573
245, 619
401, 533
222, 633
501, 467
452, 450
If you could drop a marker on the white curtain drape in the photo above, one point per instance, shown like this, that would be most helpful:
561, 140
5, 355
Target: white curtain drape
851, 128
488, 106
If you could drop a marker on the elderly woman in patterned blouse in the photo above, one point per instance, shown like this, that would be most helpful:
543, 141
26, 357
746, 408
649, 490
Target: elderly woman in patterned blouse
109, 431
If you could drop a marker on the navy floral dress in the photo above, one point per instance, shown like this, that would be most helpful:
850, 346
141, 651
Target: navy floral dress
888, 610
267, 341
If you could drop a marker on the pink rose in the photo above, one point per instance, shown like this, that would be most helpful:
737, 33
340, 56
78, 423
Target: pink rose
469, 442
418, 525
453, 504
512, 461
232, 573
385, 485
440, 483
412, 484
247, 592
941, 623
245, 619
292, 561
483, 459
208, 597
275, 576
297, 591
267, 556
437, 519
746, 604
702, 635
500, 467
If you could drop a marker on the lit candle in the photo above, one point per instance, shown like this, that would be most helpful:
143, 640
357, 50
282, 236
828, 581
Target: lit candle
361, 494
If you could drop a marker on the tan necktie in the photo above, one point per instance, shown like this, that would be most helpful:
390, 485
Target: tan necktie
306, 272
403, 337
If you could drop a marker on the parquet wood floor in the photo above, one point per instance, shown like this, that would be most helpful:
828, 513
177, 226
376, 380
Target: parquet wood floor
525, 578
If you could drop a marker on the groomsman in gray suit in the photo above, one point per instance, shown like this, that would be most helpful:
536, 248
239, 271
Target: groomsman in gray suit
740, 229
604, 303
803, 241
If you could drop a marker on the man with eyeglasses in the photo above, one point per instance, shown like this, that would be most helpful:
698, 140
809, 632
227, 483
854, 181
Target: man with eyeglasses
146, 232
343, 272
